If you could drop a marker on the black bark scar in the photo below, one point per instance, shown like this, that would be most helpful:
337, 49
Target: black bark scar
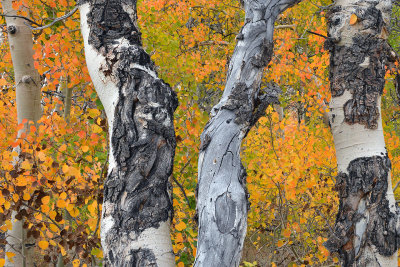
143, 137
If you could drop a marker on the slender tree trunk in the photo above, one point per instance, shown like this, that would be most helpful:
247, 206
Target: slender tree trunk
28, 97
137, 207
222, 196
367, 228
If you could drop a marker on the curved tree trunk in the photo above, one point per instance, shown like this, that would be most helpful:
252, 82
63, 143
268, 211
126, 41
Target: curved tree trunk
137, 207
28, 97
222, 196
367, 225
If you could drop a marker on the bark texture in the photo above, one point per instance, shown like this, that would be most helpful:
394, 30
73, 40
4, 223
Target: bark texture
222, 196
28, 97
367, 228
137, 207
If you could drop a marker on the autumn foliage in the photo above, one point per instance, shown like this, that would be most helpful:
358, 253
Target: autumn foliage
57, 182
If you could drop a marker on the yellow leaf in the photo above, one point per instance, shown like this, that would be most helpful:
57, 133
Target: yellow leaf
76, 263
45, 208
92, 207
63, 195
53, 227
43, 244
15, 197
96, 129
286, 233
353, 19
63, 252
62, 147
61, 203
92, 223
10, 255
65, 168
94, 113
53, 214
85, 148
180, 226
7, 205
45, 200
74, 212
179, 237
26, 196
21, 181
280, 243
41, 155
26, 165
2, 262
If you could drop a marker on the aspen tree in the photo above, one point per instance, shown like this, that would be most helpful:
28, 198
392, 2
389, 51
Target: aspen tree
137, 207
222, 196
367, 224
28, 96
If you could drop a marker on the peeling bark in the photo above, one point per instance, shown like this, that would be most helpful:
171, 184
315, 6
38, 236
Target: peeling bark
367, 223
137, 207
222, 196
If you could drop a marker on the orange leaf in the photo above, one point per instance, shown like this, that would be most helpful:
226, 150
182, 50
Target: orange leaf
45, 200
43, 244
353, 19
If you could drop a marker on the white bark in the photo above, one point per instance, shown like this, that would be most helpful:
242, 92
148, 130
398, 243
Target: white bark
137, 208
367, 225
28, 107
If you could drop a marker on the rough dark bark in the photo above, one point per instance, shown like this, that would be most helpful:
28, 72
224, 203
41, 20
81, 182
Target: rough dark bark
136, 192
367, 228
222, 196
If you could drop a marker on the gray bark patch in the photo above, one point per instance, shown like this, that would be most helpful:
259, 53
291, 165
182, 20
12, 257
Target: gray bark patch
225, 213
222, 195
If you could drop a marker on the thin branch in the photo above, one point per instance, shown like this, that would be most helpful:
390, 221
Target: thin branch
397, 185
69, 14
291, 26
179, 184
315, 33
21, 17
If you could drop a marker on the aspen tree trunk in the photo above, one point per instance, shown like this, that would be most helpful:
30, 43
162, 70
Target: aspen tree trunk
137, 207
28, 97
222, 196
367, 228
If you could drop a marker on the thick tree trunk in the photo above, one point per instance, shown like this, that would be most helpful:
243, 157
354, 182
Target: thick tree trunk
28, 97
367, 225
222, 196
137, 207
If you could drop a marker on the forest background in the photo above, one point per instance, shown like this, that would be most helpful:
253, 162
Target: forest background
289, 154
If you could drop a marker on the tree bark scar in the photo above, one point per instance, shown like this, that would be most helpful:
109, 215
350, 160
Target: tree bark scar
143, 137
360, 67
136, 258
365, 184
225, 213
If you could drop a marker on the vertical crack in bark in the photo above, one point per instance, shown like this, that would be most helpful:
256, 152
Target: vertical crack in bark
136, 192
